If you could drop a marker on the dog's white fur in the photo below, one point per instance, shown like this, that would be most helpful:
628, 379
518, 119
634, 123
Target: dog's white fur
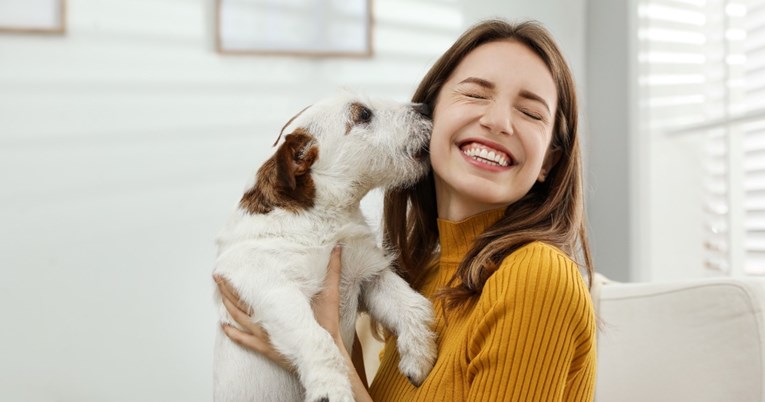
277, 261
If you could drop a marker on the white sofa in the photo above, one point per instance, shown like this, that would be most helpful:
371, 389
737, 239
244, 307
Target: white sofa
697, 340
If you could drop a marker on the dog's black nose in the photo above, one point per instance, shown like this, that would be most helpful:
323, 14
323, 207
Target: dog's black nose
422, 108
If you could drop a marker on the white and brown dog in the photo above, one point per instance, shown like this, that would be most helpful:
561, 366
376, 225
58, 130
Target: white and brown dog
276, 248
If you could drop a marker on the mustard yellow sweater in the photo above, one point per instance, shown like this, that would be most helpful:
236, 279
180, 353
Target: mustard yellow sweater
530, 336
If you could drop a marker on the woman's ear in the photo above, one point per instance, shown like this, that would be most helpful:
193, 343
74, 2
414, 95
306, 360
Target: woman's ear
551, 159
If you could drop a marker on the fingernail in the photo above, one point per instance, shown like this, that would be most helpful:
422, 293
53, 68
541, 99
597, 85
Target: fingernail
217, 278
338, 247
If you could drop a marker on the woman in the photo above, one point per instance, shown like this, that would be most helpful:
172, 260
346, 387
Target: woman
490, 237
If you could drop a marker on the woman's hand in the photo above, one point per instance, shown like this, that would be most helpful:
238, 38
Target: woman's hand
251, 336
326, 307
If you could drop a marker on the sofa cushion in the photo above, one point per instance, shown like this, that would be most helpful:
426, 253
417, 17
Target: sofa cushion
693, 341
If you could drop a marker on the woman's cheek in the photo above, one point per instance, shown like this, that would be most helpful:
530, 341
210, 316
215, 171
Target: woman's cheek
437, 147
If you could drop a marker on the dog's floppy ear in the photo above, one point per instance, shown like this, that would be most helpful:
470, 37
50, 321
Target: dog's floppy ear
295, 158
284, 181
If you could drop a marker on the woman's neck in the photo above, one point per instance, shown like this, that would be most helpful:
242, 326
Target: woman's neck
453, 206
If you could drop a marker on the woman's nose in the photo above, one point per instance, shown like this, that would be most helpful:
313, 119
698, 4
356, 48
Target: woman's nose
497, 118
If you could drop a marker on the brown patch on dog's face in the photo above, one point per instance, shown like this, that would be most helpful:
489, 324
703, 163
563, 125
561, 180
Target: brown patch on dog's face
359, 114
284, 181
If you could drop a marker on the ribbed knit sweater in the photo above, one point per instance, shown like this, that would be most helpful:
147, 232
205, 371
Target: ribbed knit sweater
529, 337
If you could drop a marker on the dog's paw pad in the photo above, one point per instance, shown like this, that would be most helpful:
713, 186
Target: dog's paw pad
332, 397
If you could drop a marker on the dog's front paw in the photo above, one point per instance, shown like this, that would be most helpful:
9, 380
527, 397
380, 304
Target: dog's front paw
329, 394
417, 358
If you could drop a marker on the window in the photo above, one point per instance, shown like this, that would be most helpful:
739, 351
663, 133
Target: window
701, 91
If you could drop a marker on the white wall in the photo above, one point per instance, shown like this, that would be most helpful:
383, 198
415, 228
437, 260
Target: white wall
123, 147
609, 129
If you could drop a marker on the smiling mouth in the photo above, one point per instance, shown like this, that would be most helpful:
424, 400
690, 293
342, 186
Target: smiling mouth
484, 154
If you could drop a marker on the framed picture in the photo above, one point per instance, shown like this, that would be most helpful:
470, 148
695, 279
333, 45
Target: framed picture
33, 16
294, 27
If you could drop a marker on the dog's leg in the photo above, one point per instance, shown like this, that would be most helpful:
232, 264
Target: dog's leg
391, 301
285, 312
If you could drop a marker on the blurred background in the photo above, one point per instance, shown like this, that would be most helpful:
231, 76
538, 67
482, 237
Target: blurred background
127, 136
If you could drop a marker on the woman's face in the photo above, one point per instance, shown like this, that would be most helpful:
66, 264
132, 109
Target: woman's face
492, 125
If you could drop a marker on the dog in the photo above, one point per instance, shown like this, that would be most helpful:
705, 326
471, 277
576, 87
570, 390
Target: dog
276, 247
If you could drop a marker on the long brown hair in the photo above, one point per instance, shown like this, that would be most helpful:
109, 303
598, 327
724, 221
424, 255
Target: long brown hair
552, 211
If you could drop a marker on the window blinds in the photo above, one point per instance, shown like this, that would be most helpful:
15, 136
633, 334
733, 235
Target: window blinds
702, 73
752, 88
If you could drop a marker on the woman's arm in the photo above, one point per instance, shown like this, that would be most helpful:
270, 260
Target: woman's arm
326, 307
534, 334
358, 361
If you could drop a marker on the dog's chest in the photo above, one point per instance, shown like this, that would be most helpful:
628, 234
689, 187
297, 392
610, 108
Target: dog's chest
303, 243
305, 229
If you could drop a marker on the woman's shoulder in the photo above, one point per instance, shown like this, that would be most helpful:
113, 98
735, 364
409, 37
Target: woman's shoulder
538, 247
538, 268
536, 255
537, 294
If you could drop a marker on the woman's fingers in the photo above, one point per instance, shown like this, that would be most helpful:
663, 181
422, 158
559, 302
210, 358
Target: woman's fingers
230, 293
243, 319
251, 335
258, 342
246, 339
237, 309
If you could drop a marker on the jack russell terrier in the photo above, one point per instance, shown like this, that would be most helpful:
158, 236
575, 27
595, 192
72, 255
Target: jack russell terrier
275, 250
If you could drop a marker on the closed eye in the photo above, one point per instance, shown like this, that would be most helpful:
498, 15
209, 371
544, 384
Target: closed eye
472, 93
533, 115
475, 96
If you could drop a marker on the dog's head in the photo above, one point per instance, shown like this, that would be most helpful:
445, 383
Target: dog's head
341, 148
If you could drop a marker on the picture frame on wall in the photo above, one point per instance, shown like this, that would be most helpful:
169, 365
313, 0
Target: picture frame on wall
33, 16
314, 28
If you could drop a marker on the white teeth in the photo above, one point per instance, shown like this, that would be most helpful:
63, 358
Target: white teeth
486, 156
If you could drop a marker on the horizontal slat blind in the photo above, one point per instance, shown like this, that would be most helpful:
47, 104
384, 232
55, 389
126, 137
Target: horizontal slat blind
682, 83
703, 73
752, 88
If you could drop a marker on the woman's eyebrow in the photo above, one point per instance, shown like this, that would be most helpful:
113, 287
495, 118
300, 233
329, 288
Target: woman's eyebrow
478, 81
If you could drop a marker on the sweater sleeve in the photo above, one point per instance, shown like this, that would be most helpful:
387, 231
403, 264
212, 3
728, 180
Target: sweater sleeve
533, 339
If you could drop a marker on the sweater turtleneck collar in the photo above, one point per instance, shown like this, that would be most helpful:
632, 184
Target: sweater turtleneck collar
456, 238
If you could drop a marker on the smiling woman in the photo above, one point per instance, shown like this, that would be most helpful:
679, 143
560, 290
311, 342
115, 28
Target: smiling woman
497, 254
492, 234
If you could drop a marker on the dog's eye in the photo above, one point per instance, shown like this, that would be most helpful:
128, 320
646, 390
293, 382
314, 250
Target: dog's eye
365, 115
360, 114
